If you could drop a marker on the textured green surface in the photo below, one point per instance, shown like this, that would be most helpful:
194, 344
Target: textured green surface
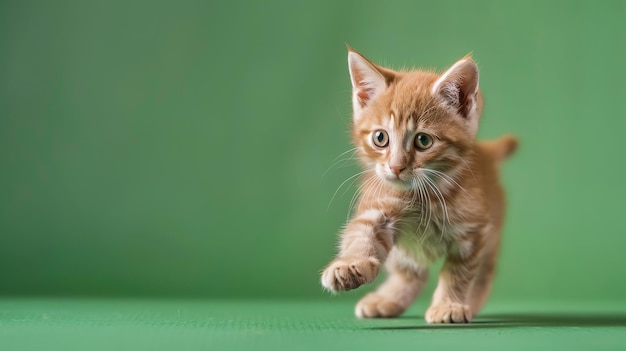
160, 148
79, 324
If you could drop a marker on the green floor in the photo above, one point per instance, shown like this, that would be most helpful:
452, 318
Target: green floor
108, 324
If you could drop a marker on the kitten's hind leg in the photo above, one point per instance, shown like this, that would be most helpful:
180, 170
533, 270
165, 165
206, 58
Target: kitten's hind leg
405, 281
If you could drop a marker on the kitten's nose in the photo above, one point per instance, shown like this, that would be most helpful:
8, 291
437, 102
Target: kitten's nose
397, 169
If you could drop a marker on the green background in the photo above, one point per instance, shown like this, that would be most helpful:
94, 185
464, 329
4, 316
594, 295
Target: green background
181, 149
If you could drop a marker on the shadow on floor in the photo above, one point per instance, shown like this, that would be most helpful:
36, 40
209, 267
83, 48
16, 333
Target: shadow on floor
525, 320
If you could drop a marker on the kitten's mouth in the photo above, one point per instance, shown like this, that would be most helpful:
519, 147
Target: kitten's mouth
397, 183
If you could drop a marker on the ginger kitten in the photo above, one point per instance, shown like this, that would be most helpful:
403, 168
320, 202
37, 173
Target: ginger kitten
429, 190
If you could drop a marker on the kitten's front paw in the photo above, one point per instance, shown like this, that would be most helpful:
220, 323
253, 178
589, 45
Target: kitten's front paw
348, 273
374, 305
449, 313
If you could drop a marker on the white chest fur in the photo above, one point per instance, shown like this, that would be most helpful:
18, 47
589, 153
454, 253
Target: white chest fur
427, 239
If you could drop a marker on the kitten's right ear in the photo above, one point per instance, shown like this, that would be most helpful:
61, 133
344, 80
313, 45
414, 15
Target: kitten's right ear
368, 80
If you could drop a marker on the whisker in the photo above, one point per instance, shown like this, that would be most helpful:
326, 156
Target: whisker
419, 194
338, 160
422, 204
445, 177
378, 192
442, 201
415, 193
426, 204
342, 184
345, 152
430, 206
348, 187
358, 194
466, 165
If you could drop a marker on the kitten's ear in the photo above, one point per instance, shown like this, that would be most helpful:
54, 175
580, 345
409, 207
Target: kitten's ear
458, 88
368, 80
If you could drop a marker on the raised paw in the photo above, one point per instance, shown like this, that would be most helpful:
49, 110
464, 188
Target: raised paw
348, 273
374, 305
449, 313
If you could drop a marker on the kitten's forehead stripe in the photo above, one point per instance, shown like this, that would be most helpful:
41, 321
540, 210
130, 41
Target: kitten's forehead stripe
408, 141
411, 125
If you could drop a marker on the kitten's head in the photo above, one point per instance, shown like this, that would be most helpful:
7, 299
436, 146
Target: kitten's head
413, 124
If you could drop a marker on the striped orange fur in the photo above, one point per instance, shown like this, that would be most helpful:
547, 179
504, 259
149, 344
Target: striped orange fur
429, 190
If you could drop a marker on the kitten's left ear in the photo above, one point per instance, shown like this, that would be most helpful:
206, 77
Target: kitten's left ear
458, 88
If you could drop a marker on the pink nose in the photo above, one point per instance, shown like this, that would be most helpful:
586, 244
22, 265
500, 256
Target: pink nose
397, 169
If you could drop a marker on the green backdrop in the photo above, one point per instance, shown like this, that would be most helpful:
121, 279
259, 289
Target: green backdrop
180, 148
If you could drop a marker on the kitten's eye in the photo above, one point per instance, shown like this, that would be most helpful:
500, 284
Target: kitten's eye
380, 138
423, 141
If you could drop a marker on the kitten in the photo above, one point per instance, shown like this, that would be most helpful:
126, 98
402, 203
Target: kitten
429, 190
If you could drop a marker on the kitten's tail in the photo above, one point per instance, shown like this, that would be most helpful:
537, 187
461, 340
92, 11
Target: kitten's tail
503, 147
